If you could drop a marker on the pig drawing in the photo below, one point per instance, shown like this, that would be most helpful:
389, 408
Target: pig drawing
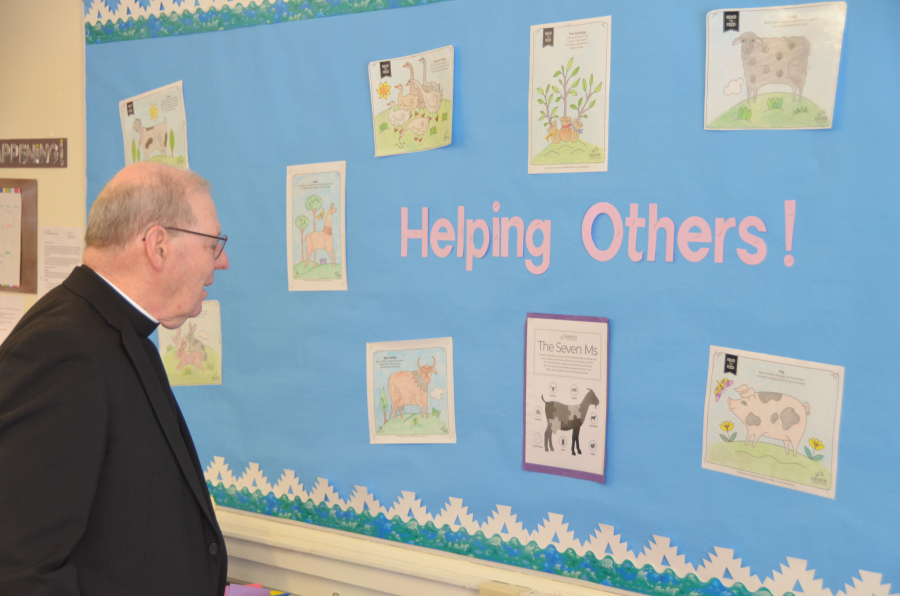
780, 417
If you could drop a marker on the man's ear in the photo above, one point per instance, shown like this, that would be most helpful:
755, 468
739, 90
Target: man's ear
156, 247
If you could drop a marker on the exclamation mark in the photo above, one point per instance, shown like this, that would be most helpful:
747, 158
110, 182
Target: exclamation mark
789, 210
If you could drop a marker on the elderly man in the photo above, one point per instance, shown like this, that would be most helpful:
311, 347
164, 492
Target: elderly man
101, 490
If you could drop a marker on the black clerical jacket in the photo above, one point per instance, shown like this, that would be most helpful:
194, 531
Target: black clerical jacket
101, 491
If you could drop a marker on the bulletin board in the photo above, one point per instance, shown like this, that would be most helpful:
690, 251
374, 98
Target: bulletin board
287, 433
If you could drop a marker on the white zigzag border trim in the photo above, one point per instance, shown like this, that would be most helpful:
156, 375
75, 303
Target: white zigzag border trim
553, 531
99, 12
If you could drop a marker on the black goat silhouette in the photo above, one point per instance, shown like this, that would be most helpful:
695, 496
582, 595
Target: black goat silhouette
564, 417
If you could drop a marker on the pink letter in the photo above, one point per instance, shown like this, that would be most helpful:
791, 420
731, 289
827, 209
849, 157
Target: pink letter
406, 233
505, 224
538, 251
442, 231
495, 238
685, 237
588, 222
633, 222
722, 226
471, 226
667, 225
754, 241
461, 230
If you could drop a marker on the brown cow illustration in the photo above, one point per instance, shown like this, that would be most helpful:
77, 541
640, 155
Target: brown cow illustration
410, 388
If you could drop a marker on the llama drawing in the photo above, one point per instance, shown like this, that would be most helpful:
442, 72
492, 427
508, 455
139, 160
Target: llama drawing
321, 240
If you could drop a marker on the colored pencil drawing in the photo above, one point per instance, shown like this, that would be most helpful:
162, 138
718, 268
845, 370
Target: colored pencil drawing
316, 230
791, 53
568, 100
192, 354
780, 419
154, 127
410, 112
411, 391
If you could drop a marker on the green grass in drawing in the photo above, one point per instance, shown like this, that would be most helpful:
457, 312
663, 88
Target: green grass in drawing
773, 110
771, 461
320, 271
205, 373
567, 153
423, 130
415, 424
179, 161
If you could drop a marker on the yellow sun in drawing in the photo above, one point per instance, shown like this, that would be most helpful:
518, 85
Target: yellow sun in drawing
384, 90
154, 112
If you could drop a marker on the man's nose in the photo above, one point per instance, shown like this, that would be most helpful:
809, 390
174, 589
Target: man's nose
222, 262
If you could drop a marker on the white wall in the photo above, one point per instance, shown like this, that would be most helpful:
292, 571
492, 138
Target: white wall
42, 96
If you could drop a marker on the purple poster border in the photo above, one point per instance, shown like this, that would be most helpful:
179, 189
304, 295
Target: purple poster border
601, 478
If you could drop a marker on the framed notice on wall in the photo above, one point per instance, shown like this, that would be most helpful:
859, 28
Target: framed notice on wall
18, 235
566, 394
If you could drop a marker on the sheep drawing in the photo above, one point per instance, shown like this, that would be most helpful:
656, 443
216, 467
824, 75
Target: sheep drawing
774, 60
564, 417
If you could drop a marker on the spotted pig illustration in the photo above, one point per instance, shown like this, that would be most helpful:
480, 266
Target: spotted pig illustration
775, 415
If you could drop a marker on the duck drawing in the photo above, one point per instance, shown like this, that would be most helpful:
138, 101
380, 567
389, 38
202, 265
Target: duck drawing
398, 117
425, 84
432, 98
417, 127
405, 102
414, 89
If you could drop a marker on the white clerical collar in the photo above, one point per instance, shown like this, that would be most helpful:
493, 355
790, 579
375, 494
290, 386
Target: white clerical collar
128, 298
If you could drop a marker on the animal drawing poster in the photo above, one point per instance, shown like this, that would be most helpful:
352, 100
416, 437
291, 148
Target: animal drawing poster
566, 395
154, 127
773, 67
412, 102
568, 97
773, 419
192, 354
316, 227
410, 391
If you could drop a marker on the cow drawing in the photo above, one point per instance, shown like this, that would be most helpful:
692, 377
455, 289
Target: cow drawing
410, 388
155, 138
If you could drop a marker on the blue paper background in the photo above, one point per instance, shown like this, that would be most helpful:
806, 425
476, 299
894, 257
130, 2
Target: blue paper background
262, 98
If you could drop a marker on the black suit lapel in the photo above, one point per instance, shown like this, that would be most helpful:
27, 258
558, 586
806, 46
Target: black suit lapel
118, 313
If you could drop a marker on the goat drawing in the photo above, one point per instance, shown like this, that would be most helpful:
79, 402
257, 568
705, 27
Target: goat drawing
774, 60
564, 417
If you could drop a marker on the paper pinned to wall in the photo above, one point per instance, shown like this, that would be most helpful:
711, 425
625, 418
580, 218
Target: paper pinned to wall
12, 307
59, 252
154, 127
789, 53
316, 227
10, 237
566, 395
412, 102
410, 391
192, 354
568, 101
791, 409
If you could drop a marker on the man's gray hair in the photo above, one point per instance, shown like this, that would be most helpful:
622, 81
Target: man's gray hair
127, 208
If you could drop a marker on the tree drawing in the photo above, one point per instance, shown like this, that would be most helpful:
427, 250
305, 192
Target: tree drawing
133, 151
545, 99
589, 90
568, 86
384, 404
172, 141
313, 203
302, 223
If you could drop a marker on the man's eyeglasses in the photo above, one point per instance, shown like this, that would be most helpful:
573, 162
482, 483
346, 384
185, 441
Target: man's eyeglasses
220, 245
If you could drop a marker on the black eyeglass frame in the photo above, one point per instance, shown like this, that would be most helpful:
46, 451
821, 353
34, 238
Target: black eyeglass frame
221, 239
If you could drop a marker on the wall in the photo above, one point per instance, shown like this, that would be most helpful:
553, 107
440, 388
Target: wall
290, 417
42, 42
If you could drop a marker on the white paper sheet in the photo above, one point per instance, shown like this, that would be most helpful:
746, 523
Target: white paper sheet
10, 237
12, 306
773, 67
790, 408
566, 372
154, 127
59, 252
568, 100
192, 354
410, 391
316, 227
